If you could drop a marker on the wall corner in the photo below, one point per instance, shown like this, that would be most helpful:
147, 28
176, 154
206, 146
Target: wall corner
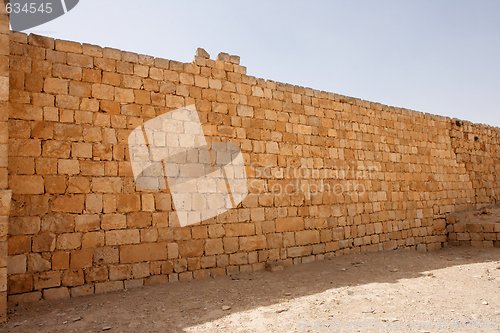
5, 193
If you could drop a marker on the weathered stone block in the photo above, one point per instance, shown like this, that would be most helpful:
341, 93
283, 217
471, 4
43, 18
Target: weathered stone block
289, 224
239, 229
73, 278
56, 293
27, 184
69, 241
106, 255
143, 252
55, 86
17, 264
47, 280
253, 243
69, 203
307, 237
44, 242
214, 246
191, 248
119, 237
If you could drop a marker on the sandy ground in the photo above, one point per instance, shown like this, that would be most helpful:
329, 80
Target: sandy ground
451, 290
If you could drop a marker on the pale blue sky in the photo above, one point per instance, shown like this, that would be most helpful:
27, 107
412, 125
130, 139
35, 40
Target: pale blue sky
440, 57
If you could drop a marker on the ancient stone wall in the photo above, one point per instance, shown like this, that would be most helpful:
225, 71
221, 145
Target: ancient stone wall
477, 147
327, 174
4, 138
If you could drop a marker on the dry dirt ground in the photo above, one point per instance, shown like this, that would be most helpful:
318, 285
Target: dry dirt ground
451, 290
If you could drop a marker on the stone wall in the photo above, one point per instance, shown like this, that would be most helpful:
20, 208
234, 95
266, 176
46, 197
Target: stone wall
478, 228
328, 174
477, 148
4, 138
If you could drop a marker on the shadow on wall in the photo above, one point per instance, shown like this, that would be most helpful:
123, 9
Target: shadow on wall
180, 306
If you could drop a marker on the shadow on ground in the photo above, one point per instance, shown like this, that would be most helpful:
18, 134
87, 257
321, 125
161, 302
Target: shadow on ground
178, 306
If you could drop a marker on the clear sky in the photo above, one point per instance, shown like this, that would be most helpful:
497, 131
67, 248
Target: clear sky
435, 56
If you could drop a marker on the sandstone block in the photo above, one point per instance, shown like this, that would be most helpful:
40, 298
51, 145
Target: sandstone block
111, 185
106, 255
231, 244
238, 258
55, 184
80, 60
103, 91
26, 225
245, 110
20, 283
68, 167
119, 237
73, 278
289, 224
120, 272
66, 72
123, 95
5, 202
17, 264
201, 53
141, 70
58, 149
85, 223
307, 237
56, 293
69, 203
93, 203
143, 252
149, 235
84, 290
78, 185
47, 280
128, 203
68, 132
299, 251
60, 260
21, 147
191, 248
67, 102
140, 270
69, 241
37, 263
96, 273
44, 242
473, 227
257, 214
139, 220
93, 239
27, 184
130, 284
81, 150
253, 243
173, 250
91, 75
55, 86
187, 79
239, 229
46, 166
68, 46
214, 246
113, 221
29, 297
